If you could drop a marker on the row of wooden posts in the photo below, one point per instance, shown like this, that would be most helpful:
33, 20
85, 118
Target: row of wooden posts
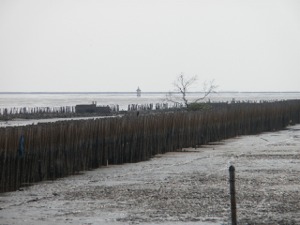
38, 110
47, 151
151, 106
33, 110
72, 109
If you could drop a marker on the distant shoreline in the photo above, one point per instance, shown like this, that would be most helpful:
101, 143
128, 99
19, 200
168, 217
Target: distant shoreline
149, 92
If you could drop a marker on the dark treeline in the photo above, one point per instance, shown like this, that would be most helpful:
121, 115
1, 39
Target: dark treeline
59, 149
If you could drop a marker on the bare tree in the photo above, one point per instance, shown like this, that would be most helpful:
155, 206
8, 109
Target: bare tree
183, 84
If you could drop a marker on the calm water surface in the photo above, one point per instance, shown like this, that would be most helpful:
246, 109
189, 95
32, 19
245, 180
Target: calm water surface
8, 100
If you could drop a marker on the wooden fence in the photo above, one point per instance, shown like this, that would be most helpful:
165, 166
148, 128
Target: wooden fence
151, 106
47, 151
47, 112
33, 110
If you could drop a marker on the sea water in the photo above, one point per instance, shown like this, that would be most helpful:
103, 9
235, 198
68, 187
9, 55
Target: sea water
18, 100
11, 100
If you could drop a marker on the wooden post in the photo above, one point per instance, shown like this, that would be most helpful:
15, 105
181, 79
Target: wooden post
232, 194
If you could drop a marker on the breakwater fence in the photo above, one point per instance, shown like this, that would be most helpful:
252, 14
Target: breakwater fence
165, 106
152, 106
32, 110
15, 111
72, 109
51, 150
40, 112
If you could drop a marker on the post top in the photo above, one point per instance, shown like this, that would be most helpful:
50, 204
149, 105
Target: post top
231, 168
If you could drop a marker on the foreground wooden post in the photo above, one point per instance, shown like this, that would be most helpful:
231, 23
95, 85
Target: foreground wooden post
232, 194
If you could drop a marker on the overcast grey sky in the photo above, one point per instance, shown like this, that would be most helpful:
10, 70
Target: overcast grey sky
117, 45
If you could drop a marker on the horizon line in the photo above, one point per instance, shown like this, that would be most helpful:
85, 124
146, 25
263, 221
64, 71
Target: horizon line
131, 92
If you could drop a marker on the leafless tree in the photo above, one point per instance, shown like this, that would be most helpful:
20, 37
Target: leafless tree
183, 84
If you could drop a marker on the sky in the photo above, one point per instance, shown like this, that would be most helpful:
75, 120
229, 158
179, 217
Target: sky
118, 45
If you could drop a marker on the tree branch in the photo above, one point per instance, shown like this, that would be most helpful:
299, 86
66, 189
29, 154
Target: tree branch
182, 85
207, 91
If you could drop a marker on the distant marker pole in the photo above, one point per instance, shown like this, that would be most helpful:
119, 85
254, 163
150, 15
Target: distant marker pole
232, 194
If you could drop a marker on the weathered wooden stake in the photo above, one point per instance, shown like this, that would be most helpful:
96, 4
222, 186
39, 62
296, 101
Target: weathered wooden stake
232, 194
58, 149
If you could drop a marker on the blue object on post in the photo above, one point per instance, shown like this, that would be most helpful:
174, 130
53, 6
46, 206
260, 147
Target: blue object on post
21, 149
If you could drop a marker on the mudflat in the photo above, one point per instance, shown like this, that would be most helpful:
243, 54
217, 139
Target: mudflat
188, 187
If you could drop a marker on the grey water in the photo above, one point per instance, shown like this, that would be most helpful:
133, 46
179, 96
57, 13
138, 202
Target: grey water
10, 100
18, 100
123, 99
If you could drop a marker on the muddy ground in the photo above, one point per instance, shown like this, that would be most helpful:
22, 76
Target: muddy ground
188, 187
